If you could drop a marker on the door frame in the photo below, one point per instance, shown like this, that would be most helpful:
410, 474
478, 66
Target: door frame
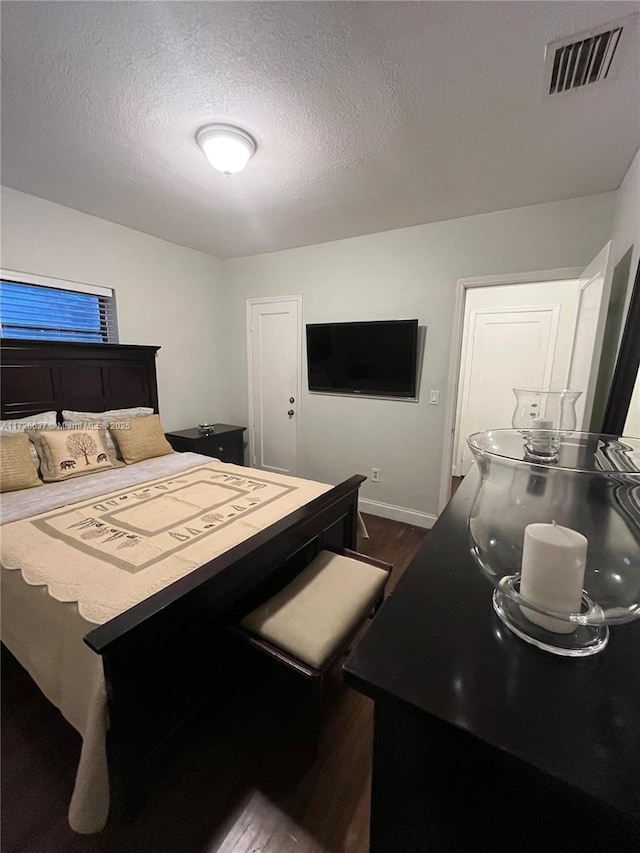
455, 353
262, 300
585, 406
470, 350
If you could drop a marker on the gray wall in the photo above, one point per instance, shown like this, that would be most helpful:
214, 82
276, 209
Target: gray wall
411, 272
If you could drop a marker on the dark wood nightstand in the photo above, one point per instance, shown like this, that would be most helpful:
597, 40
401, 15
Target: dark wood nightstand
224, 443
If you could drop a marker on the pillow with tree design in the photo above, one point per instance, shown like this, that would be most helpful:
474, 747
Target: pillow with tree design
68, 453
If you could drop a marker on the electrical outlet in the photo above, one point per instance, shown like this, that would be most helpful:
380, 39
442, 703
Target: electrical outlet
434, 398
375, 475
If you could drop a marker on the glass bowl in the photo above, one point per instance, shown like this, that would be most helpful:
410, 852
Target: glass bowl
560, 541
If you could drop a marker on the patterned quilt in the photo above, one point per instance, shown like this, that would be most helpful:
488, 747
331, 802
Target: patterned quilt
109, 553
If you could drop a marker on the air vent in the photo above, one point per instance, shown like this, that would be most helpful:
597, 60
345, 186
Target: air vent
582, 60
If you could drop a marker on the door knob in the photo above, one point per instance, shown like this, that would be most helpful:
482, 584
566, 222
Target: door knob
291, 400
291, 413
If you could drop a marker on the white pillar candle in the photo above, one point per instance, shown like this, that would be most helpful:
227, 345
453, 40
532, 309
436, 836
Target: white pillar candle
544, 441
553, 564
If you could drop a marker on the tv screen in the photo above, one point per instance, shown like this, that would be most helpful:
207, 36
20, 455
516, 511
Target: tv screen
376, 358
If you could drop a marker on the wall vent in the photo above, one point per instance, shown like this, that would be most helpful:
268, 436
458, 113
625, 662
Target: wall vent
582, 60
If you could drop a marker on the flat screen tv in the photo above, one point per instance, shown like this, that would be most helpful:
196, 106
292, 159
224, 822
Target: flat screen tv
371, 358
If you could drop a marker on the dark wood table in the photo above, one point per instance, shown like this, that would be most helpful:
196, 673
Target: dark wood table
482, 742
222, 441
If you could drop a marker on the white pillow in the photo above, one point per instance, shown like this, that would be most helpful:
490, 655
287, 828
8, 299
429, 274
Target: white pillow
43, 420
103, 419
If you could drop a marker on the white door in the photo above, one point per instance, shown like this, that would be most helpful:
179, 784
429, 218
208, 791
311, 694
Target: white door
274, 355
595, 290
516, 335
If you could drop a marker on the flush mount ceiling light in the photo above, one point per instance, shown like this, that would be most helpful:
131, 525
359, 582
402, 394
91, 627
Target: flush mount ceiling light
227, 148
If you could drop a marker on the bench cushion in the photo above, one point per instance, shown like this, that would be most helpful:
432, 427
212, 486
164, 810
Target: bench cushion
316, 613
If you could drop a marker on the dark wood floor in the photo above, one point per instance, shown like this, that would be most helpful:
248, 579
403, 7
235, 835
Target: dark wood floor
239, 785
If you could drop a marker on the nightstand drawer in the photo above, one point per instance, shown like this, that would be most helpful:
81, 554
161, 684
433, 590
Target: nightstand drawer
226, 447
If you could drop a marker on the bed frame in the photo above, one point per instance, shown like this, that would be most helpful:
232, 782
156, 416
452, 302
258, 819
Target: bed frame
163, 655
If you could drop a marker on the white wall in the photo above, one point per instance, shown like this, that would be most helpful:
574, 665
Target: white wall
193, 306
411, 272
166, 295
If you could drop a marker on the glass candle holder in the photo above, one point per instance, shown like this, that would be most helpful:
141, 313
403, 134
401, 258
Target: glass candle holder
541, 415
559, 540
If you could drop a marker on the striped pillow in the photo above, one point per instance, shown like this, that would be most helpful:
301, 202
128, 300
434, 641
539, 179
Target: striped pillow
43, 420
17, 469
143, 439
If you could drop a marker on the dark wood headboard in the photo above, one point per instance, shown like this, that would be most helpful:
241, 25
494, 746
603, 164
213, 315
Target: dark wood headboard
41, 376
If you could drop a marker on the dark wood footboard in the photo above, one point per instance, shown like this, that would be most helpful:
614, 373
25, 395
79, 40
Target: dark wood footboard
163, 655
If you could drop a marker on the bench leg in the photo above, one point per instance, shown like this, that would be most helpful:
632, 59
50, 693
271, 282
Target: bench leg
314, 716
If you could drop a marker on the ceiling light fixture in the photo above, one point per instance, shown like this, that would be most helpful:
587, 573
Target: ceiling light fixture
227, 148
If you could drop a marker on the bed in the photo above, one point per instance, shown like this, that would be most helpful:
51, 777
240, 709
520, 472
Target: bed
126, 677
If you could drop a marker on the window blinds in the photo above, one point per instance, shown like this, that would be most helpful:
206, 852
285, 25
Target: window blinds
47, 313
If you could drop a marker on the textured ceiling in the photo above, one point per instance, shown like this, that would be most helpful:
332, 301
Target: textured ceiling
368, 116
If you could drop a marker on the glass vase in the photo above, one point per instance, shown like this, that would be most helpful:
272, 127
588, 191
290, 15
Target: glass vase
559, 540
541, 416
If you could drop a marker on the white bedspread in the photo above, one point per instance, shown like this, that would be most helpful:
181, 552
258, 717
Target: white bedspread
45, 634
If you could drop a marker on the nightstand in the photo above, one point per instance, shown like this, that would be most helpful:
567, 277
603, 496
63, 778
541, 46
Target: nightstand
225, 442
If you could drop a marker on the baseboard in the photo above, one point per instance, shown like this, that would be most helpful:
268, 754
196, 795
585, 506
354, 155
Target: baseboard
397, 513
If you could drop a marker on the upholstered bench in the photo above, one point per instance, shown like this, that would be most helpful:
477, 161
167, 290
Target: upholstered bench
311, 621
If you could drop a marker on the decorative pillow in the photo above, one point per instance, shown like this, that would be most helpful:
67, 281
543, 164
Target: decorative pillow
17, 469
103, 419
144, 439
68, 453
43, 420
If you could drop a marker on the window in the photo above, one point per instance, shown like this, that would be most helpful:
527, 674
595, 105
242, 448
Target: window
56, 310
